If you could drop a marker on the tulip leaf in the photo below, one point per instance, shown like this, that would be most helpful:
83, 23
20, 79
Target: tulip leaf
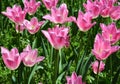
13, 79
80, 63
32, 73
86, 66
114, 81
34, 44
60, 77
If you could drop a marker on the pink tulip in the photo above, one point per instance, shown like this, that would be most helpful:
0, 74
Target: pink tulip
29, 56
59, 15
95, 66
31, 6
74, 79
17, 15
92, 7
106, 5
110, 32
57, 36
11, 58
115, 13
84, 21
50, 3
102, 48
33, 25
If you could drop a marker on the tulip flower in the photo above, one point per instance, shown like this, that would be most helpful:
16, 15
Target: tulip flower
106, 5
11, 58
29, 56
95, 66
115, 13
17, 15
110, 32
50, 3
33, 25
74, 79
92, 7
31, 6
84, 21
102, 48
59, 15
57, 36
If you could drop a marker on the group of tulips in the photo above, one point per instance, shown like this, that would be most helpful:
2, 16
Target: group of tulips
104, 44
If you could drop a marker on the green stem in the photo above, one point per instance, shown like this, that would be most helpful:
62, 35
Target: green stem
60, 63
20, 68
56, 67
20, 79
111, 69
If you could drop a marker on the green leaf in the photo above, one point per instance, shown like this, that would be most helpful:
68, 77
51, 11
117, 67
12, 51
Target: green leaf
86, 66
60, 77
34, 44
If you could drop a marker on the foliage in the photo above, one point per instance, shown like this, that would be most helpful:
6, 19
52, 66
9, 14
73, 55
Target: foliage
57, 64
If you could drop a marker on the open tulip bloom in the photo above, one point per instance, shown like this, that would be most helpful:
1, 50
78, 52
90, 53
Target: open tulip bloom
106, 5
115, 13
74, 79
29, 56
17, 15
11, 58
102, 48
33, 25
59, 15
92, 7
84, 21
110, 32
95, 66
50, 3
57, 36
31, 6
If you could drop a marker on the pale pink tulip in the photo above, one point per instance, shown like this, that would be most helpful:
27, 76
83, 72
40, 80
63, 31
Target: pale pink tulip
11, 58
29, 56
110, 32
102, 48
93, 7
17, 15
74, 79
57, 36
115, 13
95, 66
33, 25
59, 15
106, 5
31, 6
84, 21
50, 3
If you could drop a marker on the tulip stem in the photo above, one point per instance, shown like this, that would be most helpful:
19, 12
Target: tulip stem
111, 69
56, 67
20, 69
98, 72
60, 63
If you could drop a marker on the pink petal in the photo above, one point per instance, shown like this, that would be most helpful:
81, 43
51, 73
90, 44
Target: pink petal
47, 35
73, 77
34, 21
71, 18
79, 80
48, 17
39, 59
4, 50
28, 48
